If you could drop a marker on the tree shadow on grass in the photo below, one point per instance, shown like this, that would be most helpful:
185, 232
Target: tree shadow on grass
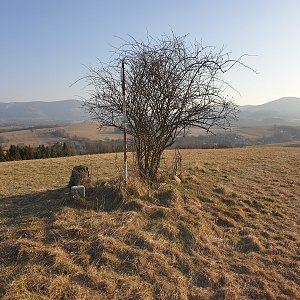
17, 213
22, 216
26, 233
31, 235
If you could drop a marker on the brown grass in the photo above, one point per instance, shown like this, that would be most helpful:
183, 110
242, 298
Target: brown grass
231, 230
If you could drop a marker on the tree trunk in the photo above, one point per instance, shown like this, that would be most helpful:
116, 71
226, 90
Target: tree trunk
148, 159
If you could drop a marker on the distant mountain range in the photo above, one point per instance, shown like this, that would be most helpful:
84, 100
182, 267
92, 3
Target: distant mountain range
42, 112
284, 111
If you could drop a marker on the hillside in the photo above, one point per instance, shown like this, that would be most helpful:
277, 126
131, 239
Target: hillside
39, 112
51, 135
230, 231
78, 133
283, 111
289, 105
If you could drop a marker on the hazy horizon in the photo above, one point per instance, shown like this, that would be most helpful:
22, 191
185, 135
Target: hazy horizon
45, 46
57, 100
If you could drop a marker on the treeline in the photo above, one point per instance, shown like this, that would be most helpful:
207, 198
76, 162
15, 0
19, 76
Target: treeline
85, 146
79, 146
223, 140
281, 134
22, 152
26, 152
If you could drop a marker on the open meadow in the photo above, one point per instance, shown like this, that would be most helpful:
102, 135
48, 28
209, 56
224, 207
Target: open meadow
230, 230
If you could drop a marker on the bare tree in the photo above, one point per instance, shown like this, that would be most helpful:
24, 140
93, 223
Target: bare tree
170, 86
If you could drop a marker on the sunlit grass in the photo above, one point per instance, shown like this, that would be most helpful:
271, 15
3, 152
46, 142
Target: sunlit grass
229, 231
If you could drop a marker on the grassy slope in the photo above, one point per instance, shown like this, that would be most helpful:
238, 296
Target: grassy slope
230, 231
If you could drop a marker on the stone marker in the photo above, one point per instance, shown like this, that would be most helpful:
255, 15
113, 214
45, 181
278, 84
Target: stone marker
80, 176
78, 190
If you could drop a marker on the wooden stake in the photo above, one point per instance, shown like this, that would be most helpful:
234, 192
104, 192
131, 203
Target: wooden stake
124, 123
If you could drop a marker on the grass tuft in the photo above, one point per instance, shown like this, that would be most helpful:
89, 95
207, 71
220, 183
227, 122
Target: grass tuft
249, 244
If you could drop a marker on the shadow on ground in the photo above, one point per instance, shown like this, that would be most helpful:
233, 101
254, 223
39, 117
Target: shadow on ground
18, 212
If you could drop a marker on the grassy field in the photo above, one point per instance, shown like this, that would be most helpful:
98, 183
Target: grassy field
231, 230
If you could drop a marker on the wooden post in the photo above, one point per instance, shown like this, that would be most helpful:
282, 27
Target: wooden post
124, 122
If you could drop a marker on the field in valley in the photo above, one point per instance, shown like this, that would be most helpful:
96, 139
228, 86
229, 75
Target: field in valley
51, 135
48, 136
230, 230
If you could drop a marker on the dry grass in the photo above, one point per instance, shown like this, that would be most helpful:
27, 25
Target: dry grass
231, 230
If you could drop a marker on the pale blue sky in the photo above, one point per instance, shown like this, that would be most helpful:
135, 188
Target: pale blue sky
44, 44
